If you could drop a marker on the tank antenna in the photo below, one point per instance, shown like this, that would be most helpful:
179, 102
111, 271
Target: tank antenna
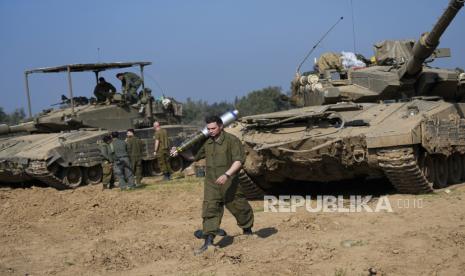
318, 43
353, 25
98, 54
156, 83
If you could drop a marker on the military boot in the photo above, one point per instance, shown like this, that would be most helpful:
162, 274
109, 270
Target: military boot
247, 231
208, 243
200, 235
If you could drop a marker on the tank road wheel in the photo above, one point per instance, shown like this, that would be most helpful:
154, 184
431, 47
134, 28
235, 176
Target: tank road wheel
93, 174
152, 168
455, 168
176, 163
427, 168
72, 177
155, 168
442, 171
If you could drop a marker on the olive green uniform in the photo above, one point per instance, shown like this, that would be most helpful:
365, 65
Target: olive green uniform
329, 61
220, 154
107, 170
135, 156
163, 151
131, 82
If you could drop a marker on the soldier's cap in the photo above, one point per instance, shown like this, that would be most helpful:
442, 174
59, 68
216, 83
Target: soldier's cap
115, 134
119, 74
106, 138
101, 79
130, 130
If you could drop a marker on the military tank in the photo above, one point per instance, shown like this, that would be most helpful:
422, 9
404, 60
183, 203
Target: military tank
59, 147
396, 117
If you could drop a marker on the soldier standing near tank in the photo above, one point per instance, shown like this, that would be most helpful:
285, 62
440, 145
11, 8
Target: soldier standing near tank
135, 154
104, 91
130, 82
121, 164
161, 150
107, 170
224, 156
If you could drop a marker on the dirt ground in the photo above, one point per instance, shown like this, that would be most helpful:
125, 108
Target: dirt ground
149, 231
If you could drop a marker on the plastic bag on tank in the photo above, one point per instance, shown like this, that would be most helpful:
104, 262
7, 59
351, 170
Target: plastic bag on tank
349, 60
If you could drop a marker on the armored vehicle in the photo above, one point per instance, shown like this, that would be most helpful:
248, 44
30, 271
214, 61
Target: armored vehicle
396, 117
59, 147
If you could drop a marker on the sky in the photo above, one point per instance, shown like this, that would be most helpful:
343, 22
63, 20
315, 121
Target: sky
211, 50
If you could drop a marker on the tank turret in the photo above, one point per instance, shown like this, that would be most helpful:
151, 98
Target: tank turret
398, 72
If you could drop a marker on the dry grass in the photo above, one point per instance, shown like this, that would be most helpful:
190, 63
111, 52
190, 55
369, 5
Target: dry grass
157, 183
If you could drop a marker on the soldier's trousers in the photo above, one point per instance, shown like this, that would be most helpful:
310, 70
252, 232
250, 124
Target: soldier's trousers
123, 171
132, 92
136, 166
164, 162
216, 197
107, 174
101, 96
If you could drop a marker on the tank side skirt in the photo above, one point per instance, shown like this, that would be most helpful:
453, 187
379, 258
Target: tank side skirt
444, 136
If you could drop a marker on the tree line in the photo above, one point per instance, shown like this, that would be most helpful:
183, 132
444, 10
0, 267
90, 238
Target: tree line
12, 118
269, 99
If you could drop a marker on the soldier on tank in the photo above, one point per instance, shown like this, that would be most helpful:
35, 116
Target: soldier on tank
224, 156
135, 154
121, 164
329, 61
104, 91
130, 82
161, 150
107, 170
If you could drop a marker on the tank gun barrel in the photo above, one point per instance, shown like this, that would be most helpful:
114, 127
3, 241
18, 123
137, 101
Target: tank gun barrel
227, 118
25, 127
428, 42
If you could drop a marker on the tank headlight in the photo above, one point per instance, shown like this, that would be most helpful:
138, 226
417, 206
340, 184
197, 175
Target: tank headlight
412, 110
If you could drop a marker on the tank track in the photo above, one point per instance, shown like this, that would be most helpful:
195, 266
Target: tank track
249, 188
51, 180
401, 167
39, 171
